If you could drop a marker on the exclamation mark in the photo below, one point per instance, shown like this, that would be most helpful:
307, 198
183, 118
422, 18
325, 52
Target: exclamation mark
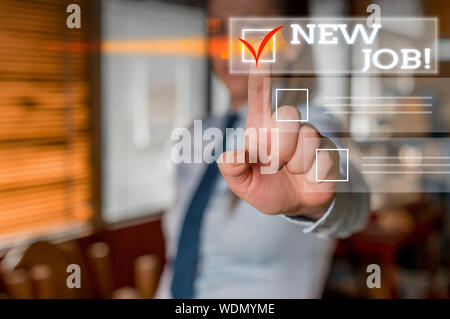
427, 58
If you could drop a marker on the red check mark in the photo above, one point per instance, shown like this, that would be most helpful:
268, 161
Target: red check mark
262, 45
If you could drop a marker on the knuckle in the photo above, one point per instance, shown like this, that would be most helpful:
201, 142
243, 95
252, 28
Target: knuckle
295, 168
288, 112
309, 131
254, 84
325, 156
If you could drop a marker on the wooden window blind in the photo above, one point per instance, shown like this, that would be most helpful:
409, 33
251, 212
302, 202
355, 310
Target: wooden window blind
45, 148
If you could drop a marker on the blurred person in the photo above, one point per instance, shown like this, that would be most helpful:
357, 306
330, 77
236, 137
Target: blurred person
221, 245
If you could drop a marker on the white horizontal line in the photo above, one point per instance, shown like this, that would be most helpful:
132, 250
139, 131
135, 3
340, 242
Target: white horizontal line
406, 165
296, 89
405, 157
379, 97
405, 172
378, 112
378, 105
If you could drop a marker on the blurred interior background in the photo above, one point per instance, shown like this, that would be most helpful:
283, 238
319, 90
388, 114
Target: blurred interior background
86, 118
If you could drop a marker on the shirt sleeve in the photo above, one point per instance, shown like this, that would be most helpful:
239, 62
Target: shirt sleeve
349, 211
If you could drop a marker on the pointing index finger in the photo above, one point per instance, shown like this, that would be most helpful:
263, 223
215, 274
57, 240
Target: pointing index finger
259, 96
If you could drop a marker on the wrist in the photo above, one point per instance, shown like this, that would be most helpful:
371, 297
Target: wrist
312, 213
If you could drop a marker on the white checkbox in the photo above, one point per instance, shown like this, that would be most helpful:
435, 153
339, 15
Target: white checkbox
337, 150
307, 105
261, 60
